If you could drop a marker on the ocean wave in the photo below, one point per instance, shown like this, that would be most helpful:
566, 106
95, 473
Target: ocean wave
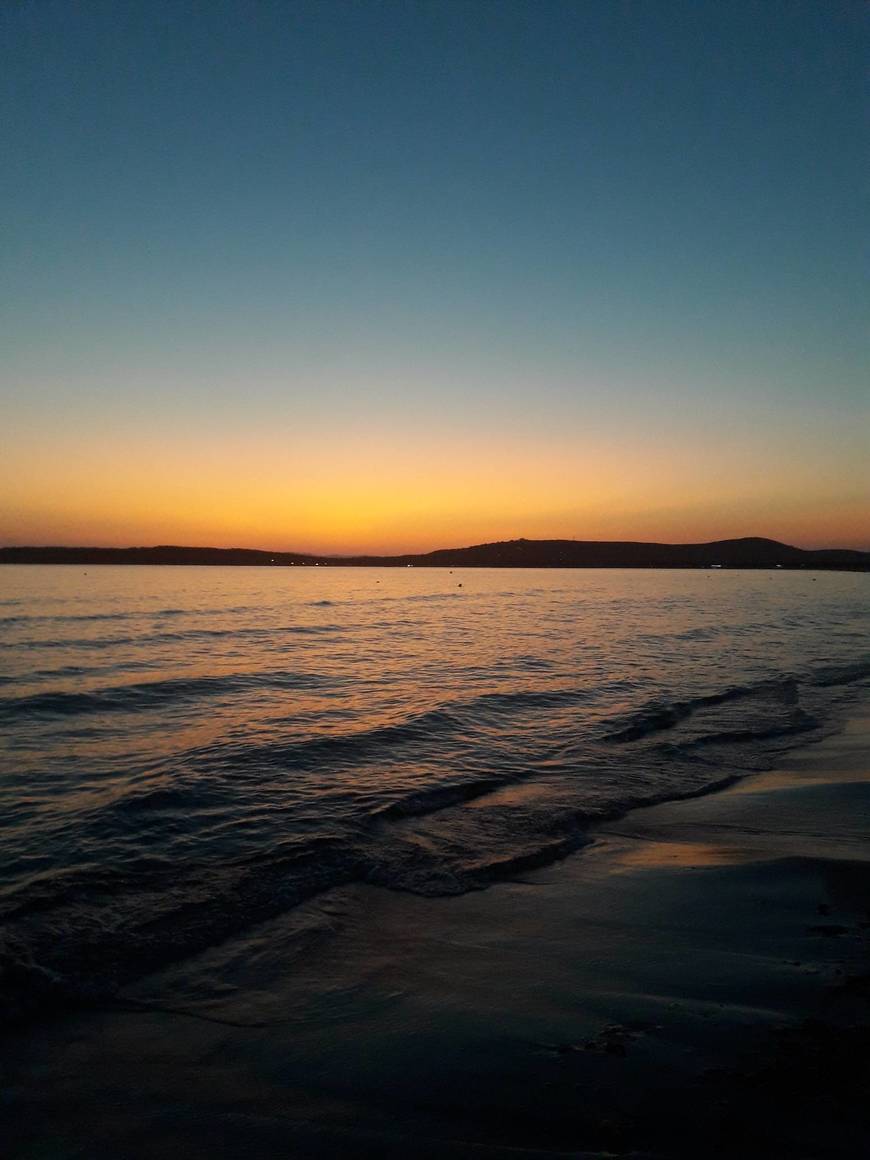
658, 716
418, 729
148, 695
57, 956
76, 938
444, 747
95, 617
439, 797
127, 614
798, 721
315, 752
741, 727
191, 635
827, 676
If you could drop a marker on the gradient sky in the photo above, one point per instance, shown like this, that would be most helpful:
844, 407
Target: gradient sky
401, 274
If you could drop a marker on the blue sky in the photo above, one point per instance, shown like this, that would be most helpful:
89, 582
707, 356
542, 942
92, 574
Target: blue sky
500, 232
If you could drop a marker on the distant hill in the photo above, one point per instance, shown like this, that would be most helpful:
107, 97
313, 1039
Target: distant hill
751, 552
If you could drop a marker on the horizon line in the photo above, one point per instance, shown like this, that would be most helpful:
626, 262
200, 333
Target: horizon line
428, 552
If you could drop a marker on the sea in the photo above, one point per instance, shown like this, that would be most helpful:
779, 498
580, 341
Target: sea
188, 752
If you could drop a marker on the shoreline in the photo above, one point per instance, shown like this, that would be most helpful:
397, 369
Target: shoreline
34, 985
688, 983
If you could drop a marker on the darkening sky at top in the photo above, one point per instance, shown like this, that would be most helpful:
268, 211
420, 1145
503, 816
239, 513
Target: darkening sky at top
340, 275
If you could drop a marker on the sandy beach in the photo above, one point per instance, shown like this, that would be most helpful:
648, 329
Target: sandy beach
694, 982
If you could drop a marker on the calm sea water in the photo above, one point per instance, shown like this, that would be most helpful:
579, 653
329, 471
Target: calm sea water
188, 751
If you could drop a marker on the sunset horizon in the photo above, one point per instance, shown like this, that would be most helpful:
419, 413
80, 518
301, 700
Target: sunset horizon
434, 562
257, 297
425, 547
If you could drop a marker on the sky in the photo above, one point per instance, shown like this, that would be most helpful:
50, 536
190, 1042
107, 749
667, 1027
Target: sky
403, 274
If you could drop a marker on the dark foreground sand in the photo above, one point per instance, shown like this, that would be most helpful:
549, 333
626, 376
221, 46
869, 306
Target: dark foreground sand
693, 984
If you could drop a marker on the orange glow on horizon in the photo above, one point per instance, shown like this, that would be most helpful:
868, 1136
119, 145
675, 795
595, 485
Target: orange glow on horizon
378, 492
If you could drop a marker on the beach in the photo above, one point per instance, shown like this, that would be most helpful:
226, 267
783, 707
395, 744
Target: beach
434, 666
692, 982
434, 663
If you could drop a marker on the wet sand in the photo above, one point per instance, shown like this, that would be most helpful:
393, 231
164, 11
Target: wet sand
694, 983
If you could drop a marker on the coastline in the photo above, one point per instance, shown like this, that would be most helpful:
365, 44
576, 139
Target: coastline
752, 552
694, 981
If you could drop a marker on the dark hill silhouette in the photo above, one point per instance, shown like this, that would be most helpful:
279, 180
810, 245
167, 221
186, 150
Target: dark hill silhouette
750, 552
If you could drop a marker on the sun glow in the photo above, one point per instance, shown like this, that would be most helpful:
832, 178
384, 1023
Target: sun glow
365, 489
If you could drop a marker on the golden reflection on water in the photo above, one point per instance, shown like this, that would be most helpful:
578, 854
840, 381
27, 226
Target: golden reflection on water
794, 779
316, 697
651, 855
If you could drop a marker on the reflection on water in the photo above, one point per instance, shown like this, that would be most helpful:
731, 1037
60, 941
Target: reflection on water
188, 750
673, 855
